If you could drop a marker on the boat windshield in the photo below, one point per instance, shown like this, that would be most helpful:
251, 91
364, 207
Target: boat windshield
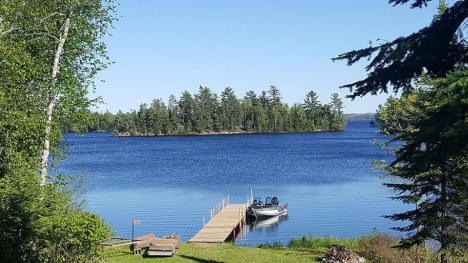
268, 201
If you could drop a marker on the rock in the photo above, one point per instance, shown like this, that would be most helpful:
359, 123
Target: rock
341, 254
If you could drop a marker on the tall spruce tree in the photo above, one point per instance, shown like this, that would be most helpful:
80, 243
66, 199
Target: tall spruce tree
336, 118
173, 113
431, 164
312, 104
433, 161
205, 106
186, 107
230, 108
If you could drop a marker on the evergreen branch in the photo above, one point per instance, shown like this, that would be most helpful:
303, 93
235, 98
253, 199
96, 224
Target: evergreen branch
417, 3
433, 50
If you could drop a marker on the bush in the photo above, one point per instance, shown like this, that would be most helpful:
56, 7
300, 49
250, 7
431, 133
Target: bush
75, 236
44, 224
18, 213
380, 248
377, 247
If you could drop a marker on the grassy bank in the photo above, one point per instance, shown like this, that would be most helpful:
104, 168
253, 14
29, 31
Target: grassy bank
375, 248
219, 253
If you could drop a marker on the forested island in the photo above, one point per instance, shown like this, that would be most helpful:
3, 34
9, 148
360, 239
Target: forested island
207, 113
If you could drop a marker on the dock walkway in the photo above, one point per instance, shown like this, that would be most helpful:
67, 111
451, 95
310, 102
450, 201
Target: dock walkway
223, 226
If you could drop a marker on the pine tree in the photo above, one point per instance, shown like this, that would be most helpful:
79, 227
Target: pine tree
186, 107
311, 105
205, 106
336, 117
274, 108
431, 164
173, 115
230, 108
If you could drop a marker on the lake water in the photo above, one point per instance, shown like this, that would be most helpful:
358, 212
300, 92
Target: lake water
171, 183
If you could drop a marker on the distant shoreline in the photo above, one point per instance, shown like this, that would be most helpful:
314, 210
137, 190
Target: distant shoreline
206, 133
130, 134
214, 133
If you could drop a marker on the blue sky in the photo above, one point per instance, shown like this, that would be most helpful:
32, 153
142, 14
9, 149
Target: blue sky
165, 47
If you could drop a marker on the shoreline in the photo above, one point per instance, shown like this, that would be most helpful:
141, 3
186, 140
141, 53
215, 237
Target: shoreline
213, 133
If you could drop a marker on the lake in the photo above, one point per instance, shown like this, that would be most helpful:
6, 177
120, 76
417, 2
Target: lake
171, 183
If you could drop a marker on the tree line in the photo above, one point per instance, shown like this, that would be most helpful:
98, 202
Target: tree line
206, 112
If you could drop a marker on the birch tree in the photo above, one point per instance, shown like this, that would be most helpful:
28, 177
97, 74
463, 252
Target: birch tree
66, 37
50, 52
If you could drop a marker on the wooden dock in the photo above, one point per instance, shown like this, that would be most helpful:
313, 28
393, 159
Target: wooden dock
222, 227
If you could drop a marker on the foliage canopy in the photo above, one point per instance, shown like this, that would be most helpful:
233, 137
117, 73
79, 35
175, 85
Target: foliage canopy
49, 53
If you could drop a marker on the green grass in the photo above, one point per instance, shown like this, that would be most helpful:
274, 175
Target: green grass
311, 242
220, 253
377, 247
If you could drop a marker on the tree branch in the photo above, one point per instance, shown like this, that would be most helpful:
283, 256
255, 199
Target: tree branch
434, 50
51, 15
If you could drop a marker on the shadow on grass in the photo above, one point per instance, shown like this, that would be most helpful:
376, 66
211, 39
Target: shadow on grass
314, 254
201, 260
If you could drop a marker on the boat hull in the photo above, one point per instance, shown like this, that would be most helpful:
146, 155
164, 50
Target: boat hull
269, 212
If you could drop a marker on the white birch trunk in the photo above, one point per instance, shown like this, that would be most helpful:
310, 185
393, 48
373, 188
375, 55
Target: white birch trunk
3, 31
50, 107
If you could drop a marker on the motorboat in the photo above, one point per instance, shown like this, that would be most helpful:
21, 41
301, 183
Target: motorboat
269, 208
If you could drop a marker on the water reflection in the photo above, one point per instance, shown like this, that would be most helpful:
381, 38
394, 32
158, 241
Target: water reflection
266, 224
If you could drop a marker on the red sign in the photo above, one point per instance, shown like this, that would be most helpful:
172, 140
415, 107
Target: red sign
136, 221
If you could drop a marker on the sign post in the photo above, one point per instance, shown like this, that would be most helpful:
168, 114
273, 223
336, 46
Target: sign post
134, 222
